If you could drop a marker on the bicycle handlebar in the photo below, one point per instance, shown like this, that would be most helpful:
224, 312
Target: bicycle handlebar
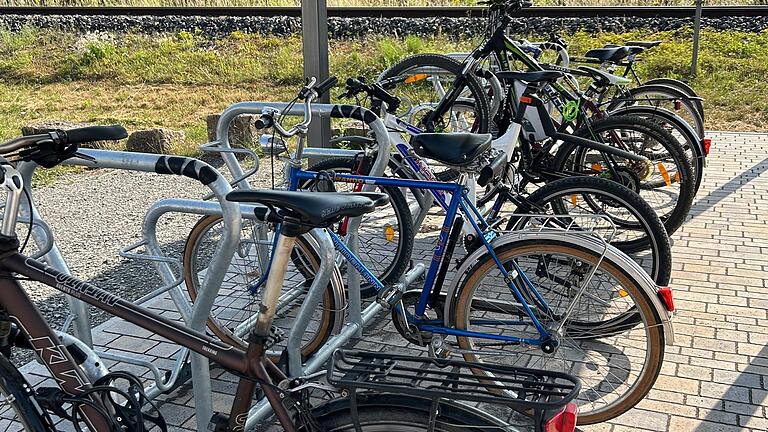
308, 94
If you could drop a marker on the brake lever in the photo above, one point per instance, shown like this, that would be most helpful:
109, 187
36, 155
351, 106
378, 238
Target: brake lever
84, 157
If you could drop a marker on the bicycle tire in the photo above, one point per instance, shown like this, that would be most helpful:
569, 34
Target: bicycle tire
655, 237
369, 244
570, 157
223, 327
385, 412
684, 87
653, 92
440, 61
688, 138
14, 386
645, 312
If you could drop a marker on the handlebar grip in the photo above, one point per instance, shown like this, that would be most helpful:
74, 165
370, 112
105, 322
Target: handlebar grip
265, 121
326, 85
95, 133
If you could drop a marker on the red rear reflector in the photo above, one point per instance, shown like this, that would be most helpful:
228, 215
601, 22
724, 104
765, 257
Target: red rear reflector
665, 294
526, 99
707, 144
564, 421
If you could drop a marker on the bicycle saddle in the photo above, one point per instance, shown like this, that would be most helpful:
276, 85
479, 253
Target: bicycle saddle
456, 149
318, 209
613, 54
530, 77
605, 78
644, 44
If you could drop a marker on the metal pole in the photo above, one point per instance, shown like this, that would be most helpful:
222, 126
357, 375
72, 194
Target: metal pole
314, 23
696, 32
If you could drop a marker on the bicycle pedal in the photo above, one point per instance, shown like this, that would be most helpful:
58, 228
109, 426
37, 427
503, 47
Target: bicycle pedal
276, 335
438, 348
389, 296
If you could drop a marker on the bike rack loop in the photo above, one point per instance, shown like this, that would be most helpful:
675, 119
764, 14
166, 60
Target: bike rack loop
199, 313
357, 319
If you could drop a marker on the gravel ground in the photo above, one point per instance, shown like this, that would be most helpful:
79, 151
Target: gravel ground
346, 28
96, 213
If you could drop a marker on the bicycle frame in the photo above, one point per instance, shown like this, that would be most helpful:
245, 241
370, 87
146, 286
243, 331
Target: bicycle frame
57, 359
459, 202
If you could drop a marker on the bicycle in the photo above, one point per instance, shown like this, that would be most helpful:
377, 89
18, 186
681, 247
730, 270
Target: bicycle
116, 401
426, 316
640, 227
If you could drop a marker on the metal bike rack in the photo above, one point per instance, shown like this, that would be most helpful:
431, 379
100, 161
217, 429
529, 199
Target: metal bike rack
357, 318
195, 316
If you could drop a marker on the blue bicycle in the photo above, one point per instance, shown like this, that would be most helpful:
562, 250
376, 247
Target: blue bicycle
547, 299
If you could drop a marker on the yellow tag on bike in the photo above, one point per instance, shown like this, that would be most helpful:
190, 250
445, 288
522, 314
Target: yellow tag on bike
389, 233
574, 200
414, 78
664, 174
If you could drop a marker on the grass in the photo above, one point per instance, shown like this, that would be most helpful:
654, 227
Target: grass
176, 80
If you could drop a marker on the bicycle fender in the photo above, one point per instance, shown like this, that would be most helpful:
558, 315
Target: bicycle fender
587, 241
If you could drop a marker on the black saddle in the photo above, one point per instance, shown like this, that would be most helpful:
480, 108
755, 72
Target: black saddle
456, 149
530, 77
316, 209
644, 44
612, 54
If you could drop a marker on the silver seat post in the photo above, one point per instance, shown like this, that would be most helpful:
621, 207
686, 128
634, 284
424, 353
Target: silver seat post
14, 184
274, 286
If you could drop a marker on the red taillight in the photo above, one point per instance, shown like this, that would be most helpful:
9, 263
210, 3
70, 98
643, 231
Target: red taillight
665, 294
707, 144
564, 421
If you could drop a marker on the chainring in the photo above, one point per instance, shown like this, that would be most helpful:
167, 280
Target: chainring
409, 300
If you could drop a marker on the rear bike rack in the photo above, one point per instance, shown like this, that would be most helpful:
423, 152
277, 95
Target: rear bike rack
521, 389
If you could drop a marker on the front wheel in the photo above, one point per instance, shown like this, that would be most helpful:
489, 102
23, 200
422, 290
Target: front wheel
609, 336
18, 412
386, 235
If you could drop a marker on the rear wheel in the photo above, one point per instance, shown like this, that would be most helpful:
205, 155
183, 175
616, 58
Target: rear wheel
386, 235
236, 306
613, 339
382, 412
634, 227
666, 182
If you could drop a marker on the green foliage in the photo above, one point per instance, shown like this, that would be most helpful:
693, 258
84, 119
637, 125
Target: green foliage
175, 80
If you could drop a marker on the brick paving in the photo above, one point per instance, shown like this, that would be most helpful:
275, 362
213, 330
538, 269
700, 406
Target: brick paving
713, 378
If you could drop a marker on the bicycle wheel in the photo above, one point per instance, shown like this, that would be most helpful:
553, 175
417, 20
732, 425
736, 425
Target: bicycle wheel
18, 412
386, 235
663, 96
613, 340
682, 86
679, 129
237, 303
431, 77
666, 182
384, 412
635, 228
